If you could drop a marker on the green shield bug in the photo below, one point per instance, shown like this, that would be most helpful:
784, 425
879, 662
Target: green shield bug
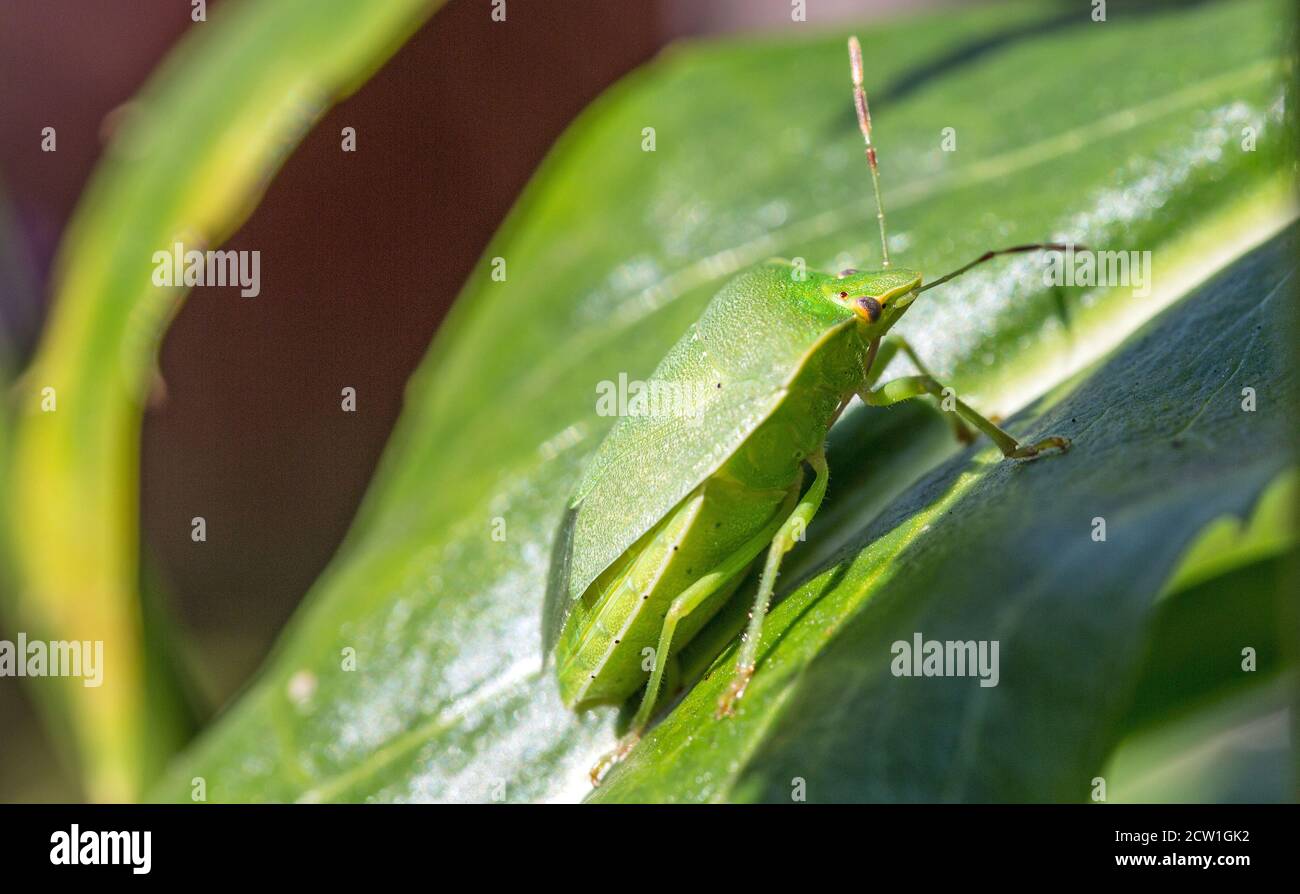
674, 508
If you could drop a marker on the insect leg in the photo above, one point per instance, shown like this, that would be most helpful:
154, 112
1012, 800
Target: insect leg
689, 600
914, 386
682, 606
891, 346
784, 541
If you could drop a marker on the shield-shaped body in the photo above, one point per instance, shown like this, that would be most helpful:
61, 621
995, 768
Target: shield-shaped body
676, 492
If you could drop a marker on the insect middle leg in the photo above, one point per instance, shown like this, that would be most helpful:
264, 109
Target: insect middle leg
908, 387
784, 541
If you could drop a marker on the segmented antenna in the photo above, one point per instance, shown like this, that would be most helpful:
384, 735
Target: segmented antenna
1013, 250
864, 124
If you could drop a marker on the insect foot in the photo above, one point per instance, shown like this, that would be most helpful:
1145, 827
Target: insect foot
727, 704
610, 758
1056, 444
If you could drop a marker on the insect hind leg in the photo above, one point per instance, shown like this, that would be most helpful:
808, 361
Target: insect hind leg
688, 601
785, 539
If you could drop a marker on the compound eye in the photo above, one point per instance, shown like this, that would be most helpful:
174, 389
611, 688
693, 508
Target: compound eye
869, 306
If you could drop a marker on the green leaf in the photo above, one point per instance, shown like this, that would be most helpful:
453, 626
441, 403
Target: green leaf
1122, 136
1225, 608
1232, 750
199, 145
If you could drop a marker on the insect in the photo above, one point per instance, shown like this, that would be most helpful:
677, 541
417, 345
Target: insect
672, 511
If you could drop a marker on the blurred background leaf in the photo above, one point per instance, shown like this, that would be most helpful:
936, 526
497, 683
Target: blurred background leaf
1125, 136
193, 154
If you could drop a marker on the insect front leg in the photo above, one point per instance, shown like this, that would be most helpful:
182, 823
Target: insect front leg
890, 347
914, 386
782, 543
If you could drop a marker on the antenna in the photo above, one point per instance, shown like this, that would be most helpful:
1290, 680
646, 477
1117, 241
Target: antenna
990, 255
864, 125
